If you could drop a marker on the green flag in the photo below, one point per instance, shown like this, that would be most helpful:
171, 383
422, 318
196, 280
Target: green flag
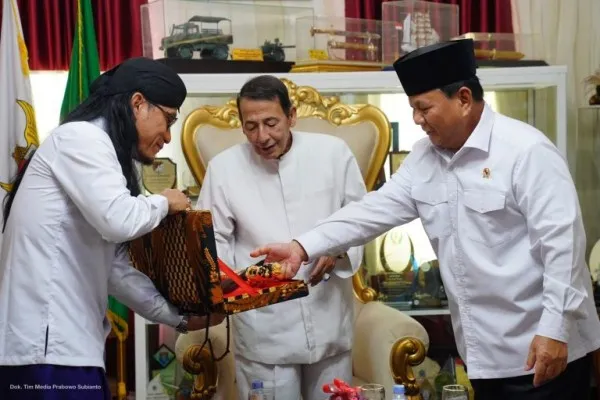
85, 64
84, 69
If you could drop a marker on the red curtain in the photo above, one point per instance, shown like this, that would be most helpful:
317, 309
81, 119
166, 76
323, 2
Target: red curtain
474, 15
48, 27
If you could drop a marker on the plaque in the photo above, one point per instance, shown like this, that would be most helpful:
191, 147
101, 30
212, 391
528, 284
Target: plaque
397, 251
247, 54
160, 175
164, 356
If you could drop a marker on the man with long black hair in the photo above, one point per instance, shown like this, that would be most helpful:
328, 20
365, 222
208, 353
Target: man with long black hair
74, 206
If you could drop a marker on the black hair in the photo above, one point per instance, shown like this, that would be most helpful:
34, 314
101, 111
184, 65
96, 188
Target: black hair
118, 116
265, 87
472, 84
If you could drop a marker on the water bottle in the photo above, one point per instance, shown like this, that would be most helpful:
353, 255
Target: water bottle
398, 393
257, 391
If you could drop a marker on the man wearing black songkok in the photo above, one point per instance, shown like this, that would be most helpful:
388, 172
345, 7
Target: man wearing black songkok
74, 206
500, 208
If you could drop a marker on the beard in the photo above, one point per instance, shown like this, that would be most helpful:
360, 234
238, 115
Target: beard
137, 156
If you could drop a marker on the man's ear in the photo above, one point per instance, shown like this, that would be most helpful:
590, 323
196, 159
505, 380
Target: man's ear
465, 98
293, 116
137, 99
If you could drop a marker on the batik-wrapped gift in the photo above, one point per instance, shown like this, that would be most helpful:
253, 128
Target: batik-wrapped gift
180, 257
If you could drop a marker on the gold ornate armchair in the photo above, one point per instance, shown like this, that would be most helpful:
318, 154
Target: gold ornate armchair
381, 332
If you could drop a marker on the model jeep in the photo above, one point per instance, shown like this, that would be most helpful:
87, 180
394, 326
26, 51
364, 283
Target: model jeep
211, 42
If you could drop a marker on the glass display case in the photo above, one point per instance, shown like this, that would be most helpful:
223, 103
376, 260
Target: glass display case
506, 46
416, 24
327, 43
584, 151
215, 29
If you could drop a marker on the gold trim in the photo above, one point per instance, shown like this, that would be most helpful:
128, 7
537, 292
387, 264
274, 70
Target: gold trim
498, 55
309, 103
198, 362
406, 353
325, 66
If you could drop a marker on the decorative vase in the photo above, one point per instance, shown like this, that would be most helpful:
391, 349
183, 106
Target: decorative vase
595, 99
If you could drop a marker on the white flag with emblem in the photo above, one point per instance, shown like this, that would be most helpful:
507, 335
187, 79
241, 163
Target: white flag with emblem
18, 133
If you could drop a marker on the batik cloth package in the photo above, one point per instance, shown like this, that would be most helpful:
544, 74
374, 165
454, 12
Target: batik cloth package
180, 257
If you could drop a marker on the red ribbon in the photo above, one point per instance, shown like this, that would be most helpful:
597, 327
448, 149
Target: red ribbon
236, 278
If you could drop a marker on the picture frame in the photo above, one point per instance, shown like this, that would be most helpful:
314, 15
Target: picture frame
396, 160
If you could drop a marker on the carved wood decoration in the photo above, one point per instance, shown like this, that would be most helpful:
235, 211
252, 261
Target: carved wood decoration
407, 353
198, 362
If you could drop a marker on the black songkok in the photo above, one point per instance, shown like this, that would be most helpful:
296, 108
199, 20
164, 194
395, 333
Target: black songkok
156, 81
435, 66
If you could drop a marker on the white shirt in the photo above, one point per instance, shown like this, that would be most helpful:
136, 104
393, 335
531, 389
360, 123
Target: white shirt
59, 259
503, 217
256, 201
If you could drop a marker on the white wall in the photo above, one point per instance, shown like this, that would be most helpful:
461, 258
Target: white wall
48, 89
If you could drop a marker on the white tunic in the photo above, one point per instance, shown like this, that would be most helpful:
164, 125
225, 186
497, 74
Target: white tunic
254, 202
503, 217
59, 259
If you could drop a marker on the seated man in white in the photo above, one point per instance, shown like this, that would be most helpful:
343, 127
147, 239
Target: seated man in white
272, 188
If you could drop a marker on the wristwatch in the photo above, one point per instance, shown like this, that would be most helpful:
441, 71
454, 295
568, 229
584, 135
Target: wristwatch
183, 325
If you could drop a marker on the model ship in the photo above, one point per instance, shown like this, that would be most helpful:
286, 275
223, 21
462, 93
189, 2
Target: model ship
418, 32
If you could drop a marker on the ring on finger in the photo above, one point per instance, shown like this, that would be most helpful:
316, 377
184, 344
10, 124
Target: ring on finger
326, 277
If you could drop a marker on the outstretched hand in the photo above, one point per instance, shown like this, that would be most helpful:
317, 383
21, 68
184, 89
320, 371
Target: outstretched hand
289, 255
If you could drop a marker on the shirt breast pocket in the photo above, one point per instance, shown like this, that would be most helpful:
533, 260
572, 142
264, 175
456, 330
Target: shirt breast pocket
485, 219
432, 203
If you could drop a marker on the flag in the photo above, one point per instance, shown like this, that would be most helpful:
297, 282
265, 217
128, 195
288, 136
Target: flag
85, 63
84, 69
18, 131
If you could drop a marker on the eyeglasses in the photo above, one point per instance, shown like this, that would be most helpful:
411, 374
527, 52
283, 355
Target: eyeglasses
169, 117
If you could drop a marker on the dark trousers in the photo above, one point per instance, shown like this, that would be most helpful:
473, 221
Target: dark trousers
572, 384
53, 382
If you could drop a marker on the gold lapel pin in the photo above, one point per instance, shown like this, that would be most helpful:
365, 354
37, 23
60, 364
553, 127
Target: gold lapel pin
486, 173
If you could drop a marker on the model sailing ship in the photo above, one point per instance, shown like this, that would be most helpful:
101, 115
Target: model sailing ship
417, 32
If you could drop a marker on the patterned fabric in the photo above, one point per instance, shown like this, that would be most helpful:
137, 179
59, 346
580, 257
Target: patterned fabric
285, 291
180, 257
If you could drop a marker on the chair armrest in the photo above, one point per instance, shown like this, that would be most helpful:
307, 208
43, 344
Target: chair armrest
379, 334
210, 377
405, 354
